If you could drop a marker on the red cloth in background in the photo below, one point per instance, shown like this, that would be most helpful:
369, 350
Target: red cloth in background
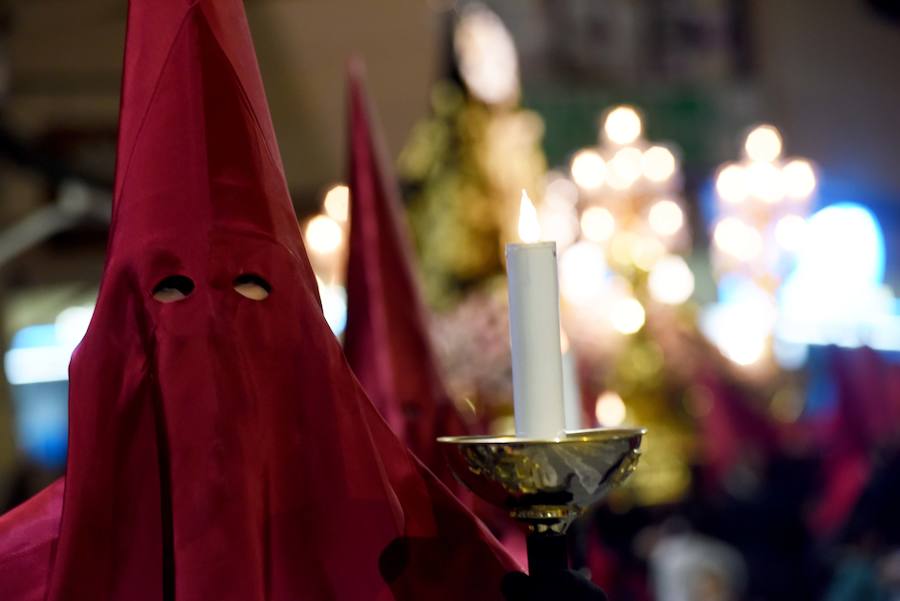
219, 446
28, 537
732, 431
387, 341
865, 418
868, 397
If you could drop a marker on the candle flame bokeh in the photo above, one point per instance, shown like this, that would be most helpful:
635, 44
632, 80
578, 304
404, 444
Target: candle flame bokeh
337, 202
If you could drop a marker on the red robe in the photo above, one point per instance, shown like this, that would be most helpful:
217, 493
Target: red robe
219, 446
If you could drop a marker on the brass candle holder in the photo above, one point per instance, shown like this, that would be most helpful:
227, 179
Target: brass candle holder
545, 484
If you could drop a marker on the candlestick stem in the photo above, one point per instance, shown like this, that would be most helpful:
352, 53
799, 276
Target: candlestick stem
546, 553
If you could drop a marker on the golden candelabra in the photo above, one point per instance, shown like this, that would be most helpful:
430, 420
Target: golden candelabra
545, 484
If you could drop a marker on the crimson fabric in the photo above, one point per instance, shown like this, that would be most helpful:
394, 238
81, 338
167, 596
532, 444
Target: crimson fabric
27, 539
868, 397
732, 431
866, 418
220, 447
386, 340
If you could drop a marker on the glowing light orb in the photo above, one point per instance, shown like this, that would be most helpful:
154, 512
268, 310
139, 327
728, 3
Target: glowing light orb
671, 281
766, 182
645, 251
658, 163
620, 247
622, 125
665, 217
324, 235
588, 169
610, 410
625, 168
745, 350
337, 203
799, 179
560, 189
559, 221
582, 273
627, 315
486, 55
763, 144
732, 184
737, 239
790, 232
741, 324
597, 224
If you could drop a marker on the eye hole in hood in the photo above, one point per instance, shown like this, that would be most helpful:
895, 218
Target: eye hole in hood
173, 288
252, 286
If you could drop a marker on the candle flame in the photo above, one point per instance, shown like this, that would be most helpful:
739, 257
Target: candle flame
529, 226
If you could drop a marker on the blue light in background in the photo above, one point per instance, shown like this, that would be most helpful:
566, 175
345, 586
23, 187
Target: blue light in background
41, 335
836, 295
42, 421
844, 246
36, 367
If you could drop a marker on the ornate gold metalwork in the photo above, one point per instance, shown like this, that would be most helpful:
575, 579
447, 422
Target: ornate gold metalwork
545, 484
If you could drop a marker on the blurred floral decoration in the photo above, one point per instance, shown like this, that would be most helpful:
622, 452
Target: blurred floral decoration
464, 166
472, 341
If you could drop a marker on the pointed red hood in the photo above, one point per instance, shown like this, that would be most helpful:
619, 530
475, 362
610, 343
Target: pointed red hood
386, 340
219, 446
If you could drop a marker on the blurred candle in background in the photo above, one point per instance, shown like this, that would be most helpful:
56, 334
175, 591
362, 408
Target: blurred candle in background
571, 387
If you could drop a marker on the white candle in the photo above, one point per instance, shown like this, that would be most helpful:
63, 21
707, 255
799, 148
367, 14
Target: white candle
535, 336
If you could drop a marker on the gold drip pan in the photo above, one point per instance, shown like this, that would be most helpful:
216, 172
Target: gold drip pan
545, 484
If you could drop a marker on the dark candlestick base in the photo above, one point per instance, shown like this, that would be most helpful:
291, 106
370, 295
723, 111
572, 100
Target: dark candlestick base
547, 553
